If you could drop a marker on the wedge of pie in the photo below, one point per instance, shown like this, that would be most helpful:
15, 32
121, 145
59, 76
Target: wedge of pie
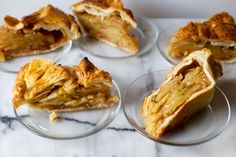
41, 84
40, 32
108, 21
187, 89
218, 34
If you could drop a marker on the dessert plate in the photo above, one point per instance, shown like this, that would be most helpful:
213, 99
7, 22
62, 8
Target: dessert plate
70, 125
163, 41
13, 65
146, 31
202, 127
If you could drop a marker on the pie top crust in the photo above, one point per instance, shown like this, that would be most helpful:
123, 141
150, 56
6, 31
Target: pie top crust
49, 25
221, 26
218, 34
40, 80
104, 8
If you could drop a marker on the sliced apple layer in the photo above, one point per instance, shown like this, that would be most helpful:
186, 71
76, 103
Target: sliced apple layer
40, 32
42, 84
109, 22
188, 88
218, 34
221, 53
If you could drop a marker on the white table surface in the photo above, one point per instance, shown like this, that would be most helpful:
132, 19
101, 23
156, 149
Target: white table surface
122, 141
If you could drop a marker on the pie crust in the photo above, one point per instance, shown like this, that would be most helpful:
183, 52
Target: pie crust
44, 85
218, 34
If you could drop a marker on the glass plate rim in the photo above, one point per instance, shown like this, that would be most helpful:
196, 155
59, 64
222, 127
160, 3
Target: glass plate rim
163, 54
194, 142
67, 48
92, 132
155, 30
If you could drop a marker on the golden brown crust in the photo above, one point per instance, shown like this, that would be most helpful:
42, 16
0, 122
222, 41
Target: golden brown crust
40, 32
20, 87
26, 78
220, 26
42, 84
218, 34
87, 73
222, 17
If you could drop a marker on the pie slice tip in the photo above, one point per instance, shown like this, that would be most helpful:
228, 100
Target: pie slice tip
108, 21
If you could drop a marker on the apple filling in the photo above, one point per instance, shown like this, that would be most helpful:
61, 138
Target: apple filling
67, 93
110, 29
223, 53
173, 94
14, 43
89, 98
44, 85
184, 47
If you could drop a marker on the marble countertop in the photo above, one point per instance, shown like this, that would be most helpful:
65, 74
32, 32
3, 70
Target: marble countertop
119, 139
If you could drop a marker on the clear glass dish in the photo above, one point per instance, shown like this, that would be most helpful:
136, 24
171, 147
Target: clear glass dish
146, 31
71, 125
202, 127
13, 65
163, 41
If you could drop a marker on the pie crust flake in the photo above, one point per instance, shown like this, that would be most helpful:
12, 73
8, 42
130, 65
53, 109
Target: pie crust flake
218, 34
108, 21
44, 85
187, 89
40, 32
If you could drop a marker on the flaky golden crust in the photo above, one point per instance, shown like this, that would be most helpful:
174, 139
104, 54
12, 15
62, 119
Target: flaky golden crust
87, 73
43, 85
218, 31
106, 7
19, 88
49, 25
26, 78
220, 26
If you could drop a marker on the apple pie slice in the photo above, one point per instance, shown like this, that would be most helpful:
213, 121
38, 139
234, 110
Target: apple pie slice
43, 85
108, 21
218, 34
40, 32
187, 89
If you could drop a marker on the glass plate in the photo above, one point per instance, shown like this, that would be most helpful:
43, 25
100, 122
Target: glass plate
163, 41
202, 127
146, 31
13, 65
71, 125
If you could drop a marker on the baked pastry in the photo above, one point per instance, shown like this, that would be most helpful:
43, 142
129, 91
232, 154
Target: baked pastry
218, 34
108, 21
40, 32
187, 89
43, 85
